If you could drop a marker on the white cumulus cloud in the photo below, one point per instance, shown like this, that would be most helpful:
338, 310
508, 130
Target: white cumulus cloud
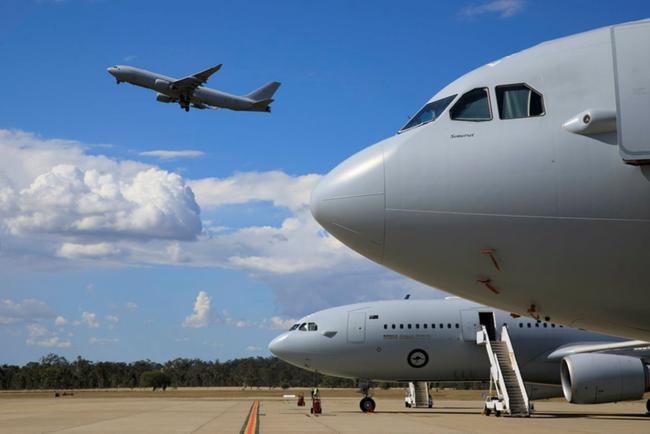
281, 189
60, 321
167, 155
200, 315
28, 310
505, 8
90, 319
53, 190
278, 323
38, 335
92, 251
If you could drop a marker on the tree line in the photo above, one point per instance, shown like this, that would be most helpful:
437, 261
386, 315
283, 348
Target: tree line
56, 372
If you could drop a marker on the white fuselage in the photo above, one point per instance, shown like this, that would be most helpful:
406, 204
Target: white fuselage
522, 214
373, 341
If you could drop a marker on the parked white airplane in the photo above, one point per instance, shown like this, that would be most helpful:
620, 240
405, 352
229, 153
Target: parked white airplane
523, 185
436, 340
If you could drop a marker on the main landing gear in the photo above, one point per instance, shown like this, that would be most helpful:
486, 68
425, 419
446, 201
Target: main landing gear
184, 103
367, 404
647, 406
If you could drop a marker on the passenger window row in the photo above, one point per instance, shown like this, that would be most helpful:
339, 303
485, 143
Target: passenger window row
537, 324
417, 326
514, 101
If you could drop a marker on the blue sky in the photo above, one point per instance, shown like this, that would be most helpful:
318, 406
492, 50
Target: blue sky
111, 254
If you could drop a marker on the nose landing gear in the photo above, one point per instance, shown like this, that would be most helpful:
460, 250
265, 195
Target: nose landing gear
367, 404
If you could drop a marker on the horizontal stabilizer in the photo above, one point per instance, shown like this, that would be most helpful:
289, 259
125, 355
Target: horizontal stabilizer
264, 93
262, 105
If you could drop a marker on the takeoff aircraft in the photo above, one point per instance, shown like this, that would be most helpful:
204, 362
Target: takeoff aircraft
436, 340
523, 185
188, 91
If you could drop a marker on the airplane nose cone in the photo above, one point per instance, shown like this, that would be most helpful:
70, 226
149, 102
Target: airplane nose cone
278, 346
111, 70
349, 202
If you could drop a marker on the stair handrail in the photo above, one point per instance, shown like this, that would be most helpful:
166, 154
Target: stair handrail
504, 389
496, 376
515, 366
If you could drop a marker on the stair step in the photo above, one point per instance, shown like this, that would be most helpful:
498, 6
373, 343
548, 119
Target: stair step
509, 383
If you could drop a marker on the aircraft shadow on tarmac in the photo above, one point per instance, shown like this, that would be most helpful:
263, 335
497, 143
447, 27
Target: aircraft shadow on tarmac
464, 410
604, 416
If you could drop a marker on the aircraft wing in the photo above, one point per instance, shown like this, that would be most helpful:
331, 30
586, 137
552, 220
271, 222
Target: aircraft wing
594, 348
187, 85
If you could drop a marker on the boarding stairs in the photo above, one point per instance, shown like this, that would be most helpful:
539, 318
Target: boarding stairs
419, 394
507, 390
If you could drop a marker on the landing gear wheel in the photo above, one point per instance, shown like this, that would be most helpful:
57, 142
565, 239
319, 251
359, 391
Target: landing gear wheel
367, 405
647, 405
118, 81
497, 413
186, 108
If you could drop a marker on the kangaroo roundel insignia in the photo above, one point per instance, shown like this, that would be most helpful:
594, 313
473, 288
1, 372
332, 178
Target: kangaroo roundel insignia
417, 358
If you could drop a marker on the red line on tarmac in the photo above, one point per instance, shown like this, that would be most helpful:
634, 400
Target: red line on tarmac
251, 424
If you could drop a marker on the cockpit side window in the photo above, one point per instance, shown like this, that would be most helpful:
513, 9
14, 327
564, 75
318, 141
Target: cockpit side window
312, 326
293, 327
303, 327
473, 106
518, 101
429, 112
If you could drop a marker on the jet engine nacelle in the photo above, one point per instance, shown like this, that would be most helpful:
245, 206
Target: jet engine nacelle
161, 85
164, 98
597, 378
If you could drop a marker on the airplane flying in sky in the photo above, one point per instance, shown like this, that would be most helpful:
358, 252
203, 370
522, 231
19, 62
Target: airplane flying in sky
189, 91
436, 340
524, 184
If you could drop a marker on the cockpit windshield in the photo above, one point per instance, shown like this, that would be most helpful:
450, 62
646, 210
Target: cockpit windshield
429, 112
304, 327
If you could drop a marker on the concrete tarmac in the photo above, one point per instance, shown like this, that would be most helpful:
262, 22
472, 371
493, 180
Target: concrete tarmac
277, 415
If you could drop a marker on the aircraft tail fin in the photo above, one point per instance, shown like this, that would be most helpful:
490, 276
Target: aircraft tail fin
265, 92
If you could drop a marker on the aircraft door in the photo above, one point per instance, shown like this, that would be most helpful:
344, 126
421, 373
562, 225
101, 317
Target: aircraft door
469, 322
632, 80
487, 320
357, 327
